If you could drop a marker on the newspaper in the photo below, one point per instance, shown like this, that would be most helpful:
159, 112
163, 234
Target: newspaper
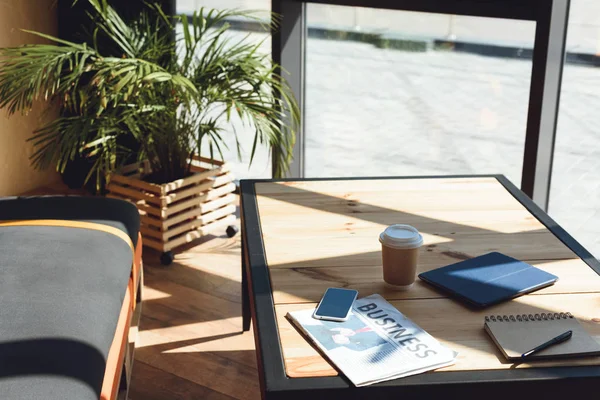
376, 343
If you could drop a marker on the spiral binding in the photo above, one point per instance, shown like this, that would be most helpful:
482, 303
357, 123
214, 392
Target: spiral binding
528, 317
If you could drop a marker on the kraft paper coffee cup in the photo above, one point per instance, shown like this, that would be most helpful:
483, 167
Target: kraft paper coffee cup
400, 254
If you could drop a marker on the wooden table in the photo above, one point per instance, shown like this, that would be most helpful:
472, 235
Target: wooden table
301, 237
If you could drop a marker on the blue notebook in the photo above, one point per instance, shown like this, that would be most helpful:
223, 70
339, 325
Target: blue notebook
489, 279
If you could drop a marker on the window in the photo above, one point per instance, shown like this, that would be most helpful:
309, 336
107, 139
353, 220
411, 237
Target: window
575, 190
261, 166
387, 94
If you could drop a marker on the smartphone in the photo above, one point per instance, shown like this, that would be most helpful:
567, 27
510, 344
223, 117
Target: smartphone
335, 304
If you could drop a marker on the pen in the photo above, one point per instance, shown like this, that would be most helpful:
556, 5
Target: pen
559, 339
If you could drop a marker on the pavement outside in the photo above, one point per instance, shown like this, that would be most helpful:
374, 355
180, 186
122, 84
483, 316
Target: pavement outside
374, 112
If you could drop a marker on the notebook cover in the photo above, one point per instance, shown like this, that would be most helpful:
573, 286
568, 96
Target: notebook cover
488, 279
514, 337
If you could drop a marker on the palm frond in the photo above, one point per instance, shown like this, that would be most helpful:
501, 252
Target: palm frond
31, 73
173, 95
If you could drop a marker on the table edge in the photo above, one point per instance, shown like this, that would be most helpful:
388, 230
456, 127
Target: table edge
265, 325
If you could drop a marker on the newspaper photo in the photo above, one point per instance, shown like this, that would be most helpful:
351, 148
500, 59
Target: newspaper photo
375, 344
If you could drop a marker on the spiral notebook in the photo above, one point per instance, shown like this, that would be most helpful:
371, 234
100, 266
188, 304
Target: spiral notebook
517, 334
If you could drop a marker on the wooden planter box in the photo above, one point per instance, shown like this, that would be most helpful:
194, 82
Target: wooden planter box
178, 212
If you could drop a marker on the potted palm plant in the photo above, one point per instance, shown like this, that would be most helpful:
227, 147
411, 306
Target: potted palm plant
174, 94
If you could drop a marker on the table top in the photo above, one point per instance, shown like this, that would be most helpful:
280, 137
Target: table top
324, 233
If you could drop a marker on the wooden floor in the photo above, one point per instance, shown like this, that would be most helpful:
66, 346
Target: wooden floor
190, 343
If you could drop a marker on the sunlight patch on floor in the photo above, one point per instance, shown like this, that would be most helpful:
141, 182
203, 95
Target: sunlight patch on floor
197, 330
154, 294
210, 264
196, 338
233, 343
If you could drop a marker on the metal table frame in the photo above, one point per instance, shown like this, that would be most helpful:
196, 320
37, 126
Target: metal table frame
257, 303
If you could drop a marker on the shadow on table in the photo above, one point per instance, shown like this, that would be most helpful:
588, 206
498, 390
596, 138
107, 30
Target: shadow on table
436, 255
457, 242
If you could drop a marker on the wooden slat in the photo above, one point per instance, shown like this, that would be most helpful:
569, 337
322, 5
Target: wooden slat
207, 195
297, 285
197, 228
204, 205
204, 226
183, 216
208, 160
188, 237
174, 208
184, 194
134, 180
195, 178
218, 192
216, 214
196, 212
198, 233
219, 202
148, 231
143, 207
134, 194
455, 326
197, 223
205, 186
154, 244
151, 187
223, 180
150, 220
151, 209
218, 224
197, 166
178, 229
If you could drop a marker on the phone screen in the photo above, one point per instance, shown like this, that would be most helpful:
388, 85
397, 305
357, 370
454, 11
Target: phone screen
336, 303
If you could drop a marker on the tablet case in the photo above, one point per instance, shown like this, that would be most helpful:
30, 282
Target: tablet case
488, 279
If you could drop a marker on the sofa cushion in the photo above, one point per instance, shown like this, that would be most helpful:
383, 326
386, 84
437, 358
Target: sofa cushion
113, 212
61, 292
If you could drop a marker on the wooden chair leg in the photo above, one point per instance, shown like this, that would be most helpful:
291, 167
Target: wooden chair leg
131, 344
140, 289
124, 384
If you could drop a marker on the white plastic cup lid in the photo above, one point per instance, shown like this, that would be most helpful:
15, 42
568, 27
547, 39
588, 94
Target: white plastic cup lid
401, 237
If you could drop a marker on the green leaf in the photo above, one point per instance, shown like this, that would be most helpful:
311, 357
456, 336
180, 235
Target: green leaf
172, 100
157, 77
56, 40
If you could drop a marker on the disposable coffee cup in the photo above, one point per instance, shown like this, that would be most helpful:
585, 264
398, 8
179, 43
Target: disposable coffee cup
400, 254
